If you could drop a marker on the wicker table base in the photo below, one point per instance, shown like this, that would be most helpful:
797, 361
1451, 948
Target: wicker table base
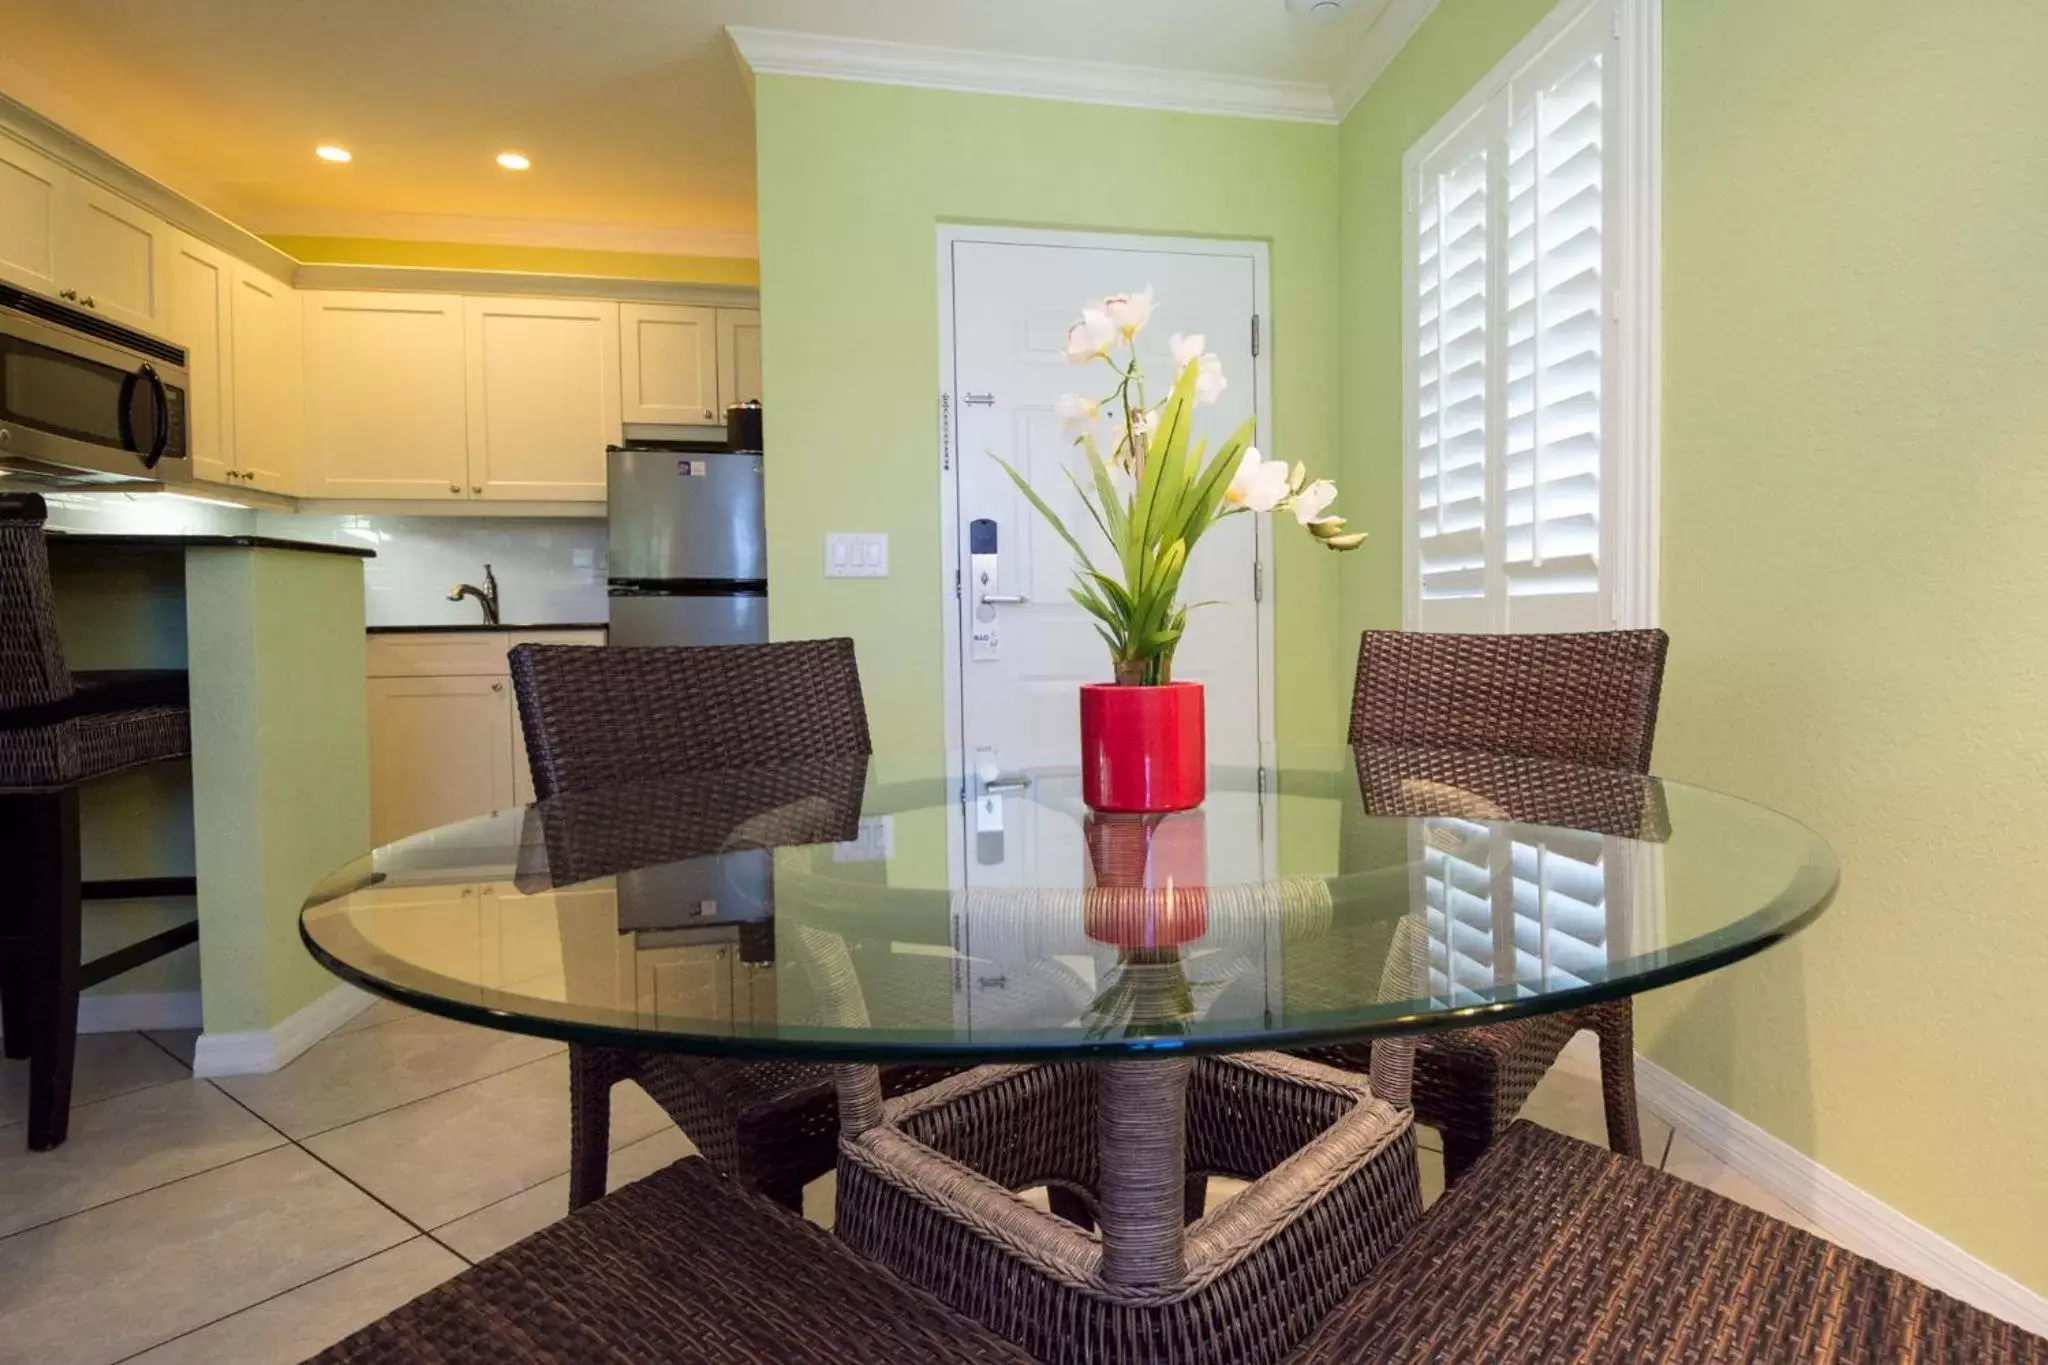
928, 1186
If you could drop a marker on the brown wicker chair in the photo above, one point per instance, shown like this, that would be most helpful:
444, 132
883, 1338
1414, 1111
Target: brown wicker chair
1588, 700
681, 1268
1553, 1250
59, 729
595, 718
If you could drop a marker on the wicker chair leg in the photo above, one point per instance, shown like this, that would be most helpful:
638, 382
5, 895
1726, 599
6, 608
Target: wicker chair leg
788, 1193
1614, 1024
593, 1071
1462, 1147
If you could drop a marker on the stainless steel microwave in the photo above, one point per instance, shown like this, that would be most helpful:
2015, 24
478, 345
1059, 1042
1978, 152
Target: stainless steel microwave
85, 402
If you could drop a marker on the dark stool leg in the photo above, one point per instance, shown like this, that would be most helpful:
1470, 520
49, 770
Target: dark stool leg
592, 1073
52, 827
16, 914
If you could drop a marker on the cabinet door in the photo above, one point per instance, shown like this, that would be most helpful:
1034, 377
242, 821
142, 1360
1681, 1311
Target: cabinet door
739, 356
112, 253
268, 356
198, 315
29, 190
670, 358
440, 751
384, 387
543, 397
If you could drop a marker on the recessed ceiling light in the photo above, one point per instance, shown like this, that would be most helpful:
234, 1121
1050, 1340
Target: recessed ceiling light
513, 161
330, 152
1318, 9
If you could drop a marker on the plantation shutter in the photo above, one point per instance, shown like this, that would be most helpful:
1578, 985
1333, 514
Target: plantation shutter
1509, 292
1510, 911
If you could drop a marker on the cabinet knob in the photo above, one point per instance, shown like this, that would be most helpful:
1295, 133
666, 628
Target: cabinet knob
71, 294
476, 488
87, 301
707, 414
454, 488
497, 687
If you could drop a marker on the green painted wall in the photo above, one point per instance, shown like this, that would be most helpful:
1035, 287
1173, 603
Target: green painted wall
854, 181
280, 766
1854, 574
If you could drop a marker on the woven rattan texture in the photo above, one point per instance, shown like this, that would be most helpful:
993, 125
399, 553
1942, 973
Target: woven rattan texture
1588, 700
1300, 1242
1553, 1250
680, 1268
1420, 783
596, 717
31, 658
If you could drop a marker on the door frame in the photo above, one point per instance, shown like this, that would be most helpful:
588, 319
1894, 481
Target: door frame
952, 571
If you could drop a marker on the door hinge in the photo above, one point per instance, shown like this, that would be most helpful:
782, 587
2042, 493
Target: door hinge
1258, 581
1262, 780
956, 585
946, 431
1255, 334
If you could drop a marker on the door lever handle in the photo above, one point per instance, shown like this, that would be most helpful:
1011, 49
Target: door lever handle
1014, 783
1003, 600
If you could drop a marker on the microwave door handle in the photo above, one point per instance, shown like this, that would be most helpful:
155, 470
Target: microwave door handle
160, 407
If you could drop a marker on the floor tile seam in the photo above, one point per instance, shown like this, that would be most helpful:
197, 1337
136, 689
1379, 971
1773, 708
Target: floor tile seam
178, 1180
403, 1104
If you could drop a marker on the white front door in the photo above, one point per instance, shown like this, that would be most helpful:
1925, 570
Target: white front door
1011, 304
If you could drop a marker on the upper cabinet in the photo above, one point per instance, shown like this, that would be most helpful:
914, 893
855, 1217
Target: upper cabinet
199, 315
30, 186
385, 381
543, 388
269, 382
669, 355
739, 356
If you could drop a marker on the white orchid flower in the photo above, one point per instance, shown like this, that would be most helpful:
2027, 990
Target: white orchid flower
1310, 501
1091, 337
1209, 381
1129, 313
1259, 485
1078, 413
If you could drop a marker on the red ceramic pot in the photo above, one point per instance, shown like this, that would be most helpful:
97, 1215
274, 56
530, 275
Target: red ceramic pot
1148, 874
1142, 749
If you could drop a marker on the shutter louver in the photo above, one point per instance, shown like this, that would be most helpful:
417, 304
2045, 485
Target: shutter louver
1555, 881
1453, 269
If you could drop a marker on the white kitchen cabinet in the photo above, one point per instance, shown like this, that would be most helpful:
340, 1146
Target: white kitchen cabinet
440, 751
29, 197
739, 356
385, 395
669, 356
445, 739
111, 254
199, 315
543, 391
267, 355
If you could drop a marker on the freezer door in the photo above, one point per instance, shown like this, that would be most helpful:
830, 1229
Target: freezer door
686, 515
651, 619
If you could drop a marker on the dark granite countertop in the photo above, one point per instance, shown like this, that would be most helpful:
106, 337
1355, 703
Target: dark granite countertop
479, 628
115, 540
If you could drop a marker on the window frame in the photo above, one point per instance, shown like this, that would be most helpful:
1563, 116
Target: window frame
1630, 268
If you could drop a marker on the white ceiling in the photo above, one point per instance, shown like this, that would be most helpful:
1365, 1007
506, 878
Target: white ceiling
634, 111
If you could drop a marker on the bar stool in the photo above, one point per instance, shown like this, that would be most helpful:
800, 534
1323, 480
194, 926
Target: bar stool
59, 730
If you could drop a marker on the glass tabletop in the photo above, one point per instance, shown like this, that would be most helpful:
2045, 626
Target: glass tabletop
871, 909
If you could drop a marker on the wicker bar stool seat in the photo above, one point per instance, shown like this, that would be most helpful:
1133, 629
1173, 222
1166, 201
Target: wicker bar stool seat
1553, 1250
1588, 700
599, 718
682, 1267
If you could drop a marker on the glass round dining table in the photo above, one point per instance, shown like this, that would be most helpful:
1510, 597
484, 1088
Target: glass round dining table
1129, 991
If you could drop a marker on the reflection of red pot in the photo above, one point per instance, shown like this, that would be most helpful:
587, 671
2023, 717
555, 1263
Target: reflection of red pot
1148, 874
1142, 747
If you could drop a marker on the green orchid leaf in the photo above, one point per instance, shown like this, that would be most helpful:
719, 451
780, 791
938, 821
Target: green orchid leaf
1051, 516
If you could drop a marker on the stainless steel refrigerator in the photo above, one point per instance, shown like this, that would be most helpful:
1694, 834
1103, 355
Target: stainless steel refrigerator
689, 546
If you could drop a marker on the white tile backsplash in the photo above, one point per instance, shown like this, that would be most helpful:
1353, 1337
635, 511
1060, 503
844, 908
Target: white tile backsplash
551, 570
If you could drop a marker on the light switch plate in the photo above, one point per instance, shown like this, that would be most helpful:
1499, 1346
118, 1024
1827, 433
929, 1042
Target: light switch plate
856, 554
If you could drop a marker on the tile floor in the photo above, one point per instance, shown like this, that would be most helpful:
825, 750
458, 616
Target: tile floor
256, 1219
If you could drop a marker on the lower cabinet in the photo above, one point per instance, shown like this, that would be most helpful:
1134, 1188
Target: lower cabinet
445, 742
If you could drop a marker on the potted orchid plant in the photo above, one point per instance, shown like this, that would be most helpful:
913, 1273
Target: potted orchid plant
1154, 489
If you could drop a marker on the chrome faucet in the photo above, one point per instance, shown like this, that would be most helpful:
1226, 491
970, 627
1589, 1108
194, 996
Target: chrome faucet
486, 596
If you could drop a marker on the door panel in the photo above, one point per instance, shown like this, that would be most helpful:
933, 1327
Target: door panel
739, 357
29, 184
268, 354
198, 307
1012, 304
386, 395
112, 252
543, 397
440, 751
669, 356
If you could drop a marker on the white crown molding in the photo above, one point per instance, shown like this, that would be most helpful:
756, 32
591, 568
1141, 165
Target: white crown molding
427, 279
1845, 1213
777, 52
525, 232
1383, 42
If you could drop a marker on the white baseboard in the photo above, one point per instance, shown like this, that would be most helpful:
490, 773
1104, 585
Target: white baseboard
1858, 1220
263, 1050
130, 1011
